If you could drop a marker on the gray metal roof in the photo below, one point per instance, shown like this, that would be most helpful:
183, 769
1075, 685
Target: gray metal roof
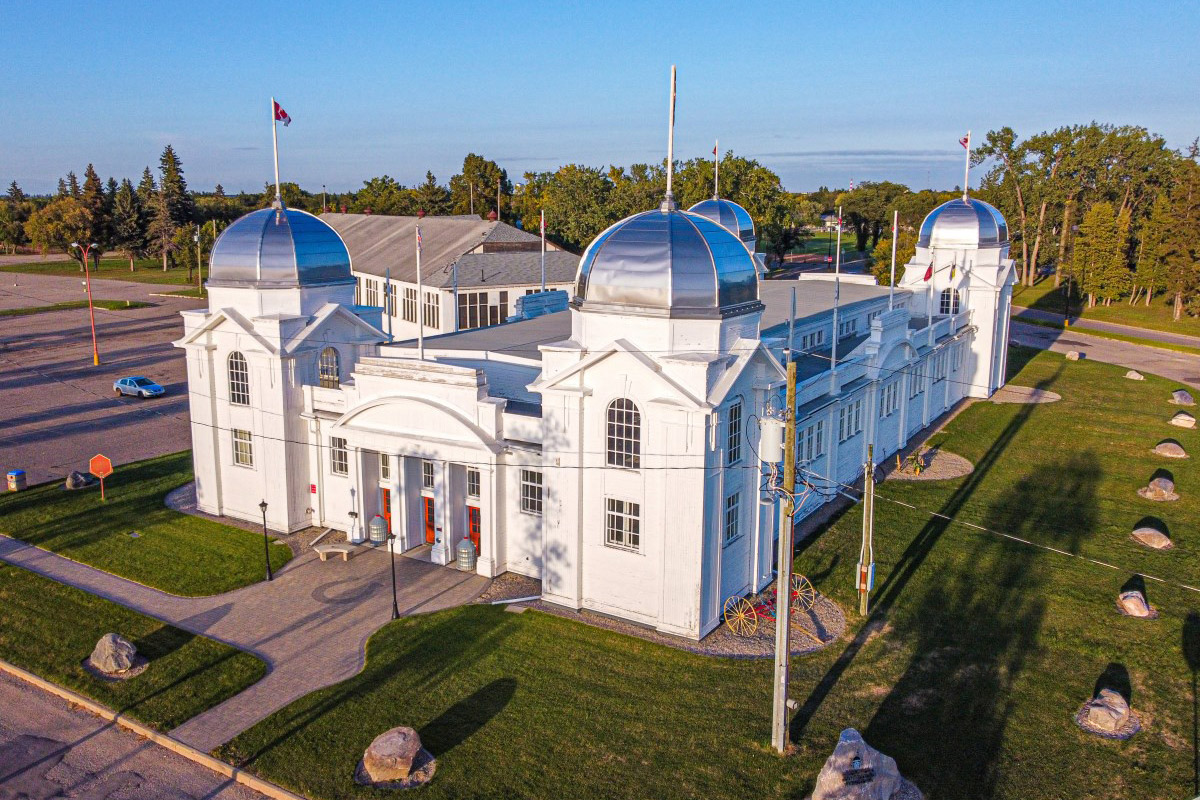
814, 298
728, 215
964, 225
667, 262
278, 248
378, 242
485, 270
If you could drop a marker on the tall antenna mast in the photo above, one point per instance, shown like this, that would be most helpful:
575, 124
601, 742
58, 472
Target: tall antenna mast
668, 203
717, 170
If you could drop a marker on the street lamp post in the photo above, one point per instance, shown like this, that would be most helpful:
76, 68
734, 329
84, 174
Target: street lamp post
322, 198
392, 546
266, 545
87, 277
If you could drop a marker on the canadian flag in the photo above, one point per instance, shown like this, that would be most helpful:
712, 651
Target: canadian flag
965, 142
929, 272
281, 115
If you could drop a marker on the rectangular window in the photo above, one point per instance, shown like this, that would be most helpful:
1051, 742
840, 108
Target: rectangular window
243, 448
915, 379
385, 467
472, 483
889, 399
471, 310
622, 524
339, 459
426, 474
733, 505
847, 328
531, 491
433, 311
733, 444
849, 420
408, 308
872, 315
372, 292
939, 367
389, 296
812, 340
810, 443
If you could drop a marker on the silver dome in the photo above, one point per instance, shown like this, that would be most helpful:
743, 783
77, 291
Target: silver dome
730, 216
279, 248
670, 263
964, 225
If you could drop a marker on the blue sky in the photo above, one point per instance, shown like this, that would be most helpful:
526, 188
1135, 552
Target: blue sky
820, 92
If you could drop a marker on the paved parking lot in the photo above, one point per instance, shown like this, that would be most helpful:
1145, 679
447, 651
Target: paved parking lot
57, 410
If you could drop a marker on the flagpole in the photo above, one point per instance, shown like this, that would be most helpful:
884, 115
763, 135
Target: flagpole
837, 292
967, 168
717, 170
420, 303
669, 200
275, 142
895, 233
543, 217
387, 300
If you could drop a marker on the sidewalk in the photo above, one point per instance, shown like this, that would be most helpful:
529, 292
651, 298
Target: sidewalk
310, 625
1182, 367
1021, 312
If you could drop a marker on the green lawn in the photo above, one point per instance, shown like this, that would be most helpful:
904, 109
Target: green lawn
823, 241
111, 305
978, 652
1156, 316
177, 553
49, 629
145, 270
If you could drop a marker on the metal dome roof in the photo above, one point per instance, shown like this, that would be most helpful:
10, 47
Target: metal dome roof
280, 247
727, 214
671, 263
964, 224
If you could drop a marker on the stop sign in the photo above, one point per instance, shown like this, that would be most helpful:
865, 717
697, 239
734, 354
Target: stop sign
100, 466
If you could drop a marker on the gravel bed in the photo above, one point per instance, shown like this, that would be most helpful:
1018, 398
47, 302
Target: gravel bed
510, 586
940, 465
183, 500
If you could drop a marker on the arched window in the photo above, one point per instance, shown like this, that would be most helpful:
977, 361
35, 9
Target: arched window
329, 368
949, 302
239, 380
624, 434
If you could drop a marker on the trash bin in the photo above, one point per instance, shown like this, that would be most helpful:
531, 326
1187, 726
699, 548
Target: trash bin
466, 555
16, 480
377, 530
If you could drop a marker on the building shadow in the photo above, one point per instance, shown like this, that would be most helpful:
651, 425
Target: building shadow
467, 717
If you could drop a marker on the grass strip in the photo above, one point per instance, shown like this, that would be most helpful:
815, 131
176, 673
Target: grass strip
111, 305
49, 628
177, 553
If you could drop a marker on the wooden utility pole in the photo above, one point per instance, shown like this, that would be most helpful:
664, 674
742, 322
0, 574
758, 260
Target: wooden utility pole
783, 581
866, 556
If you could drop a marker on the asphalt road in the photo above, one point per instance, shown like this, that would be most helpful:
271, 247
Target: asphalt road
1020, 312
51, 750
1181, 367
57, 410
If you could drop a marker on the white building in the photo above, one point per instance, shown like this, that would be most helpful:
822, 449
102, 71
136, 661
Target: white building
610, 449
472, 270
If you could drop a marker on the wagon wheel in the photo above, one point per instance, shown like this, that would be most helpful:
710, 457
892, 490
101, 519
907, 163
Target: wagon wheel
804, 596
740, 616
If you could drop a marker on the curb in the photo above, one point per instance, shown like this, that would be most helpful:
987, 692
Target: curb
161, 739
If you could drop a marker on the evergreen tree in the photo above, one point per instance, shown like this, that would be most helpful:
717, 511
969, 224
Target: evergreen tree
1099, 263
93, 201
219, 192
1151, 274
62, 190
174, 206
15, 195
147, 189
431, 197
14, 212
72, 185
128, 224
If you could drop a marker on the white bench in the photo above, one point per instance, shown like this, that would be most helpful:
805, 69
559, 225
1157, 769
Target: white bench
326, 550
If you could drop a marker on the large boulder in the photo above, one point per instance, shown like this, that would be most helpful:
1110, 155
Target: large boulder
113, 654
391, 755
1181, 397
1170, 448
1183, 420
857, 771
1134, 375
1152, 537
77, 480
1159, 489
1074, 355
1134, 604
1107, 712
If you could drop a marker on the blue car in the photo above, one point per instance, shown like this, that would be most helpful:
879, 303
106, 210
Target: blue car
138, 386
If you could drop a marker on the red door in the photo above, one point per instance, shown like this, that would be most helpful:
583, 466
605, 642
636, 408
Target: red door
385, 502
473, 526
430, 531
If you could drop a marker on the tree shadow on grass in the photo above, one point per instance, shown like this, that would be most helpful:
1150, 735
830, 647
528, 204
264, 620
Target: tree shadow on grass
466, 717
1191, 654
992, 602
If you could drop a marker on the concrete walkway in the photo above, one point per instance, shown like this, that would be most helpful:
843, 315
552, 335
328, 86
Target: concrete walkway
1166, 337
1182, 367
310, 624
